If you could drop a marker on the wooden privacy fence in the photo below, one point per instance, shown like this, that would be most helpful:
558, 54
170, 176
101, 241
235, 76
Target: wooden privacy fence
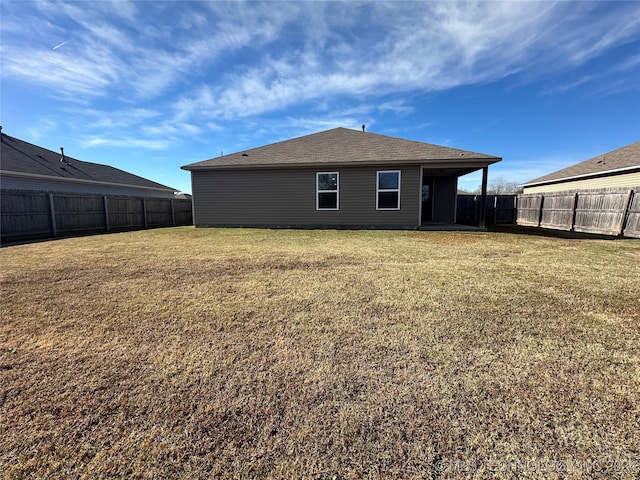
30, 215
609, 212
499, 209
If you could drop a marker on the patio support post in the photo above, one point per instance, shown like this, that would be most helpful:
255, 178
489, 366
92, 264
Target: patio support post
483, 198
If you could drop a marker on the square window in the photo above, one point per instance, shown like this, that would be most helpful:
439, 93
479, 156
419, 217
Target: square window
388, 180
327, 181
388, 200
327, 200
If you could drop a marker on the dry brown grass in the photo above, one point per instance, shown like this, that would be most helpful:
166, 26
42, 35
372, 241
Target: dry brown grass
184, 353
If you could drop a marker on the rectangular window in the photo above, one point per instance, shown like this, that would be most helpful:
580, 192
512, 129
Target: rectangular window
327, 190
388, 190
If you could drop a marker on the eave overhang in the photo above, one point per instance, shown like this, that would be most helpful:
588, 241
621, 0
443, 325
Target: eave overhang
583, 176
440, 163
9, 173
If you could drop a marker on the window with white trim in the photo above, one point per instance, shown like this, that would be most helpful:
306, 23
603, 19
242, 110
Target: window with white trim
327, 191
388, 190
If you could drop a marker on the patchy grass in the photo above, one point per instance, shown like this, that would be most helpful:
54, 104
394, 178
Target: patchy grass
184, 353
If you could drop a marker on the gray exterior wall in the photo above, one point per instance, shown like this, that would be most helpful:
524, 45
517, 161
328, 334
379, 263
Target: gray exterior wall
287, 198
9, 182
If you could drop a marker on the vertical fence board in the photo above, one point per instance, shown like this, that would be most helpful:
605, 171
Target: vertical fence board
601, 212
608, 212
79, 213
52, 216
30, 215
106, 213
25, 214
505, 209
529, 210
632, 225
498, 209
557, 212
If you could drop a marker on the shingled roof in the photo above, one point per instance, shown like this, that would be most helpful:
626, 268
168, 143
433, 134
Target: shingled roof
340, 146
620, 160
23, 158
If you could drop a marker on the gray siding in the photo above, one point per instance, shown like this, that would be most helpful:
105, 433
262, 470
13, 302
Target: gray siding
41, 184
287, 198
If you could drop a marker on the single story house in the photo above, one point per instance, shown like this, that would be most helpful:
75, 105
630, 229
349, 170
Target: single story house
24, 166
617, 169
339, 178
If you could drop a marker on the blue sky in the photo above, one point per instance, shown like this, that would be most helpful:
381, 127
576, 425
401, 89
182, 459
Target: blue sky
149, 86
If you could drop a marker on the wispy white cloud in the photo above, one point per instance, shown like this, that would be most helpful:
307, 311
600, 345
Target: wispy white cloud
154, 130
616, 75
171, 128
96, 141
172, 69
42, 127
396, 106
456, 44
118, 118
113, 53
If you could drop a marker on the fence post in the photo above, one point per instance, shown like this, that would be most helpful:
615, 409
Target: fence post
144, 212
483, 198
625, 215
106, 212
541, 209
128, 203
52, 213
574, 208
173, 213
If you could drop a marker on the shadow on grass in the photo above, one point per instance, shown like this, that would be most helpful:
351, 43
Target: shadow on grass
549, 232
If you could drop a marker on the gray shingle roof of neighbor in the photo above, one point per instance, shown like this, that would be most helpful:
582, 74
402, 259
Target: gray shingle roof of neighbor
340, 146
625, 158
18, 156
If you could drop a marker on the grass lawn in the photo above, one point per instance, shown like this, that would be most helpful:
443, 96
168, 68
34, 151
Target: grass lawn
232, 353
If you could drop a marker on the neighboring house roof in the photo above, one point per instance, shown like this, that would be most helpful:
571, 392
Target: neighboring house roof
621, 160
340, 146
20, 158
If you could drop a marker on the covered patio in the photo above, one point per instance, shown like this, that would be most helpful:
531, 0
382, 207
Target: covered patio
439, 187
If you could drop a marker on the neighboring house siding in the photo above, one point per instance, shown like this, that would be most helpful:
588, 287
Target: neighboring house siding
613, 181
287, 198
41, 184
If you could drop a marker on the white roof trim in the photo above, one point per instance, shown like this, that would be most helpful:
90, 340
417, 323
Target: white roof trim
584, 175
76, 180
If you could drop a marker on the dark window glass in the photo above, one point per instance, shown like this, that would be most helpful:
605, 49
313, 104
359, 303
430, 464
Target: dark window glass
388, 199
327, 181
388, 180
328, 200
